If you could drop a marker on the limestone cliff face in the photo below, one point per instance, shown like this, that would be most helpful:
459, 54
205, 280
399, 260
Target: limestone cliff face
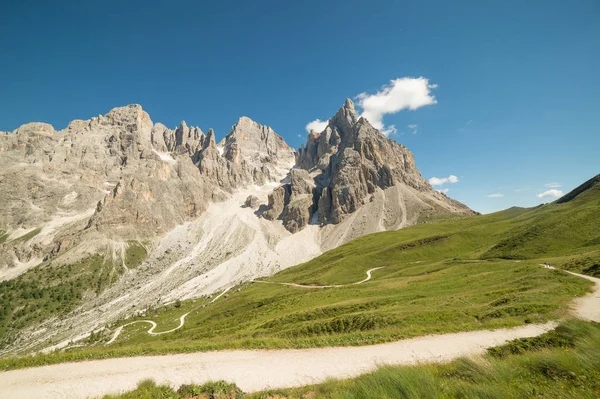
119, 176
122, 177
293, 202
255, 154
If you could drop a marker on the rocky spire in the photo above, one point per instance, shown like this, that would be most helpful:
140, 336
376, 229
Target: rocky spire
181, 134
350, 161
209, 141
345, 118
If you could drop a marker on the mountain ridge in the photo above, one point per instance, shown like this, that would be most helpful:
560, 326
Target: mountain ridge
587, 185
99, 190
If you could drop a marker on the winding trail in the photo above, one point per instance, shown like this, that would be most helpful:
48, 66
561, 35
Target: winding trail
323, 286
182, 318
254, 370
153, 324
586, 307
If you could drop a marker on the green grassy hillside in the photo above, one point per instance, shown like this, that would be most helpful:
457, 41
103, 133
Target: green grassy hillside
50, 290
54, 288
452, 275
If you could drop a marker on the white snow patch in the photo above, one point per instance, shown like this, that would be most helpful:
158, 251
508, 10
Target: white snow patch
165, 156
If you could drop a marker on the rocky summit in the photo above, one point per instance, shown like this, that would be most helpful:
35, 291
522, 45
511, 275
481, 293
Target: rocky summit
349, 164
156, 214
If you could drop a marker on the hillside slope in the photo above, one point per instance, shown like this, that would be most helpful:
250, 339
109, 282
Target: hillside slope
435, 277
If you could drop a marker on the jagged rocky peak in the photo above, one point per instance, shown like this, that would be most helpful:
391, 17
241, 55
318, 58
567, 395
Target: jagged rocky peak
120, 176
188, 140
345, 118
130, 116
210, 140
35, 128
31, 140
250, 154
349, 162
249, 139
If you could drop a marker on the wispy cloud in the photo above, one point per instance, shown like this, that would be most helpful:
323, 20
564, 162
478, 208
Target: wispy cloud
551, 193
438, 181
465, 127
398, 95
495, 195
317, 125
553, 185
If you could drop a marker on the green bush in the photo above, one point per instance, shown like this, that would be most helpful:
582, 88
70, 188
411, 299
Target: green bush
147, 389
211, 390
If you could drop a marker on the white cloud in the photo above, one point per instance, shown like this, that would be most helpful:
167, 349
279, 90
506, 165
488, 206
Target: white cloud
444, 190
551, 193
469, 122
438, 181
495, 195
388, 130
413, 128
317, 125
299, 135
553, 185
400, 94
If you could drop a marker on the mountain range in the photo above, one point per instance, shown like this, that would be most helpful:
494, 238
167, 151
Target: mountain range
149, 215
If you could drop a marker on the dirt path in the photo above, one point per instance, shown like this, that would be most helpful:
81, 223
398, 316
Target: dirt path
255, 370
586, 307
153, 324
324, 286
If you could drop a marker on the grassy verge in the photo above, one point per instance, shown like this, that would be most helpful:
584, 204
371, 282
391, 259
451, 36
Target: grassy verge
29, 236
3, 236
588, 264
564, 363
135, 254
148, 389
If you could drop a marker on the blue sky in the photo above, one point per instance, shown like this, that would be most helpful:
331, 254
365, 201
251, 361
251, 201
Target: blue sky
516, 84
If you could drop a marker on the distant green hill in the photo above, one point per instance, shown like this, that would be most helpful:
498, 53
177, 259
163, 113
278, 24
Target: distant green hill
470, 273
568, 226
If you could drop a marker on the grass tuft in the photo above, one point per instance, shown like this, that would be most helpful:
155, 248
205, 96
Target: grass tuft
28, 236
135, 254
